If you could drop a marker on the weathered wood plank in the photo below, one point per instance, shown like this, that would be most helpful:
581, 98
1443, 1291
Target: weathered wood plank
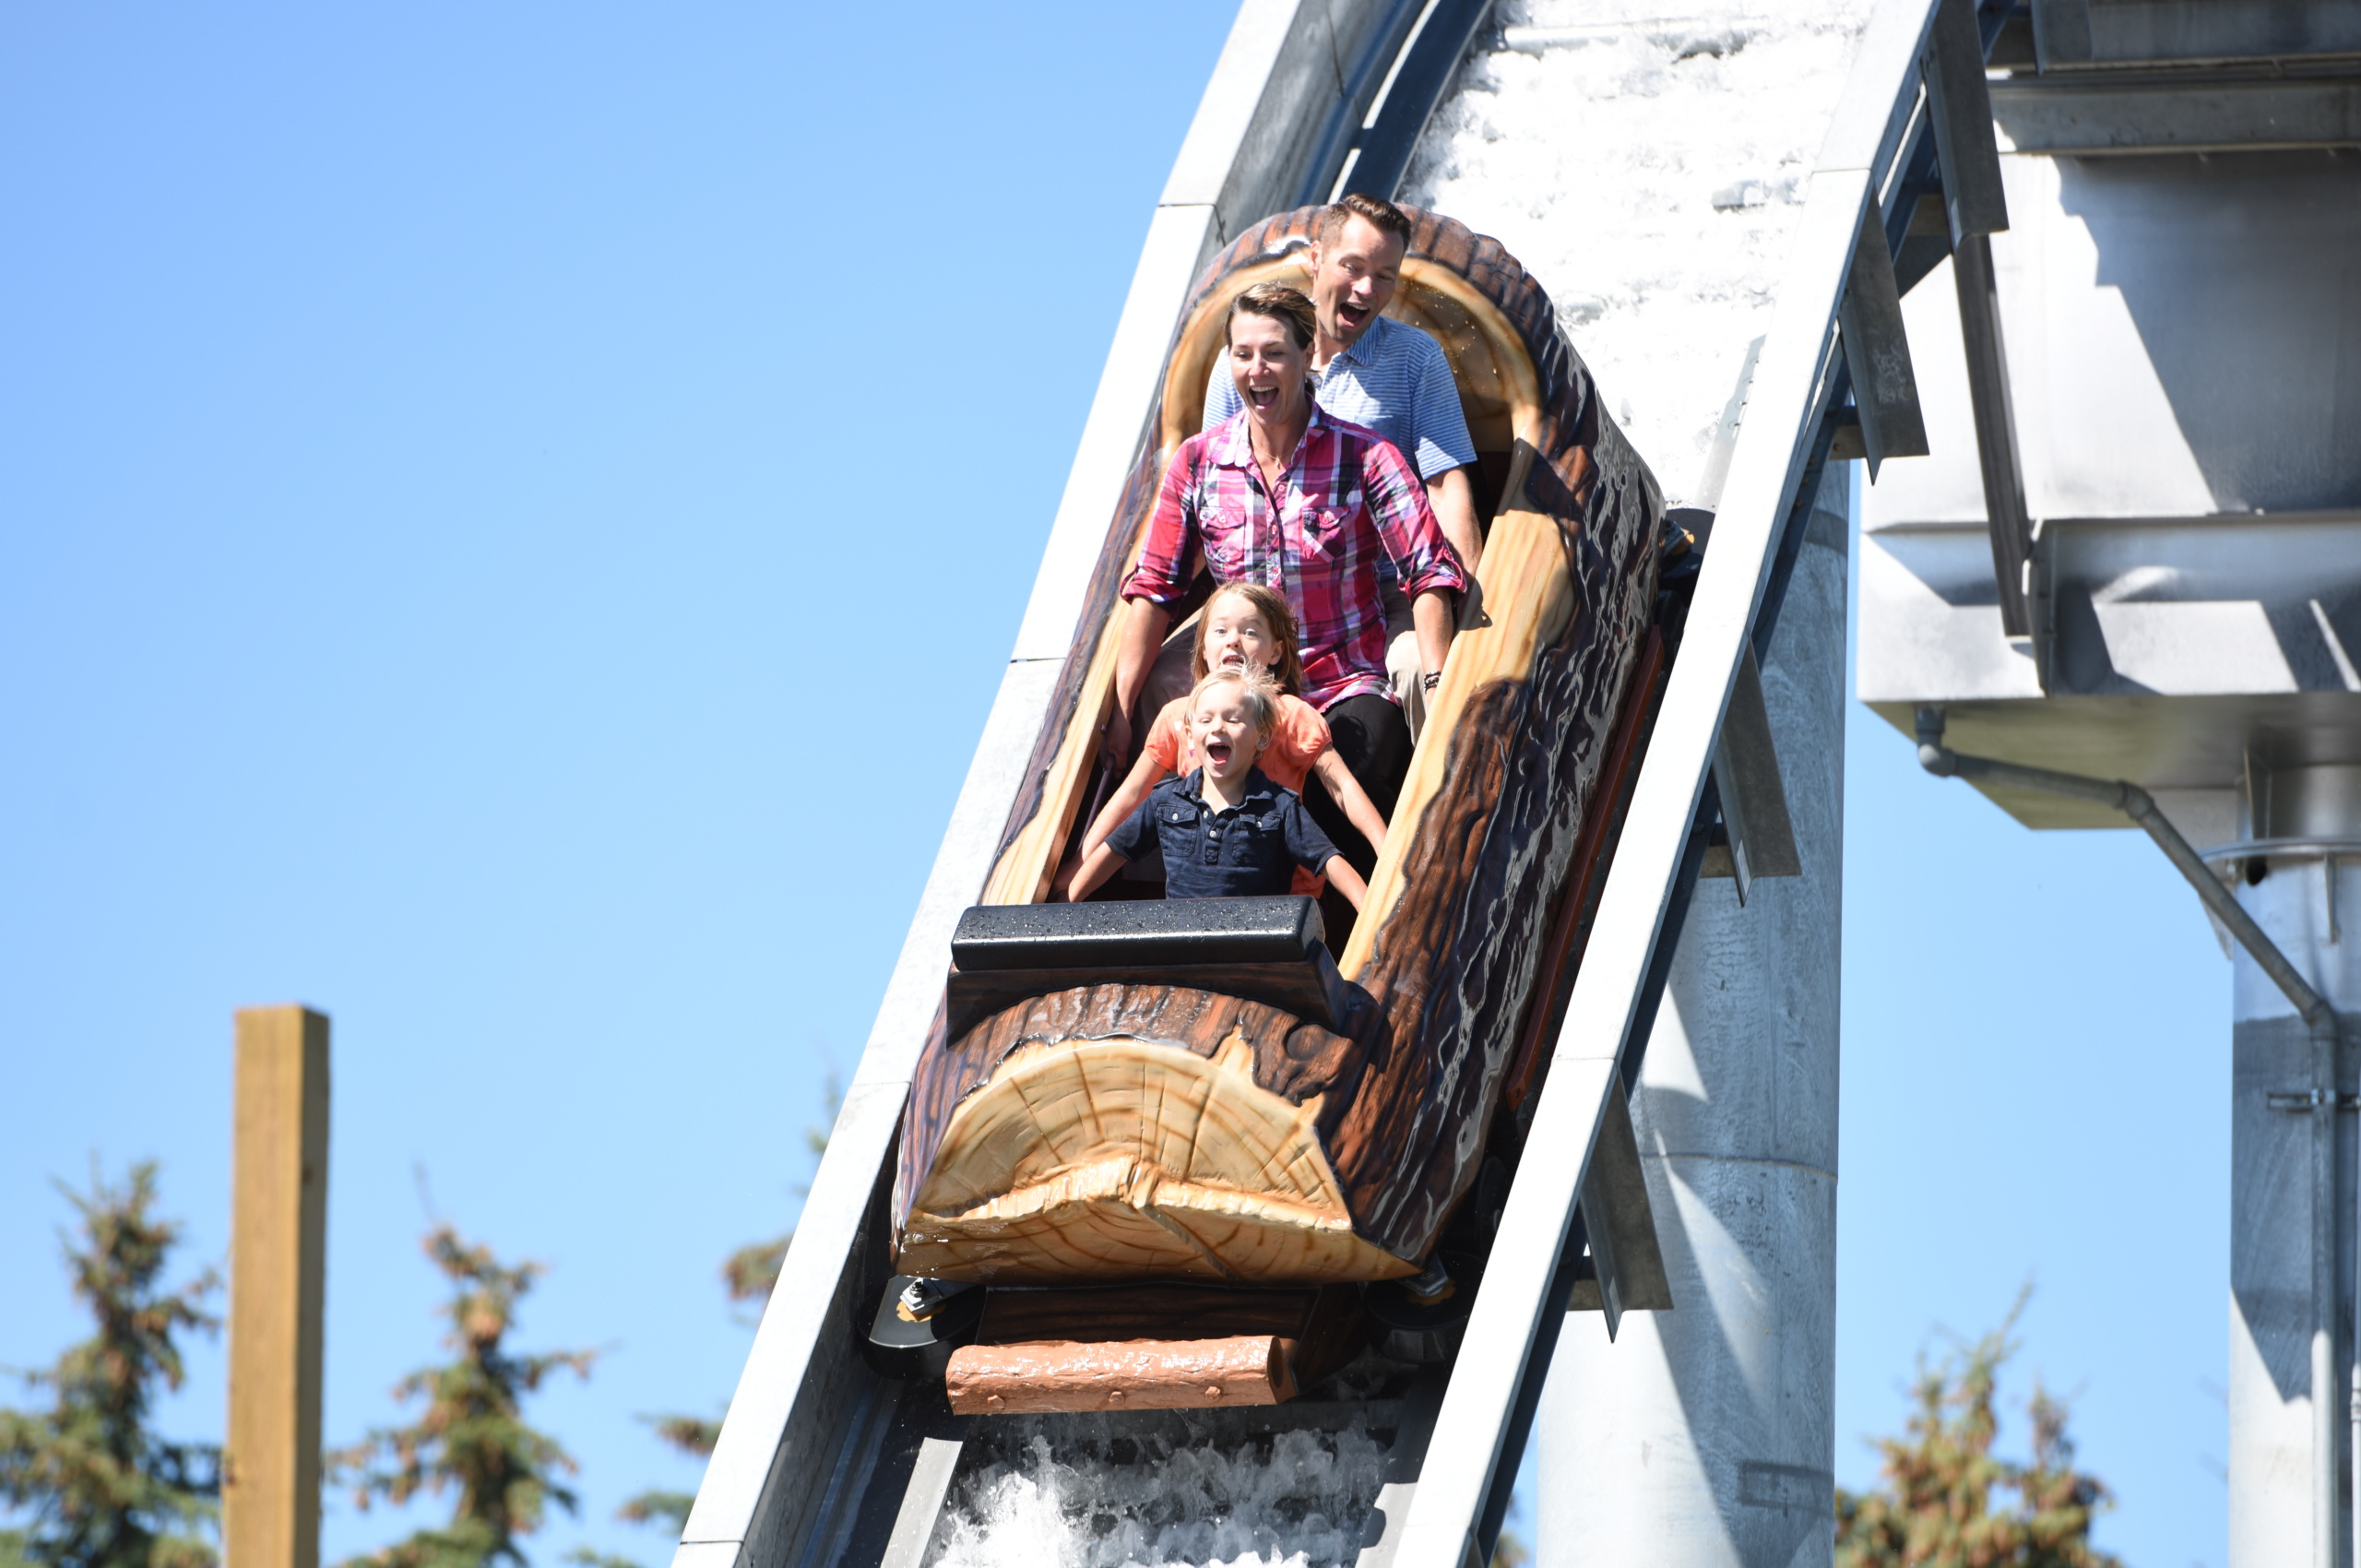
1141, 1374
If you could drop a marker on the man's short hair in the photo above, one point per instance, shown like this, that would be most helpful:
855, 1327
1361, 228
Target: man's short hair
1376, 212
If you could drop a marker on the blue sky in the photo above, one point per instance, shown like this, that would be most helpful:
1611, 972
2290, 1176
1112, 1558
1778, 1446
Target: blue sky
499, 540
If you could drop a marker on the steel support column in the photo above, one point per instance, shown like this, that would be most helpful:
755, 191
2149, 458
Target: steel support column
1705, 1435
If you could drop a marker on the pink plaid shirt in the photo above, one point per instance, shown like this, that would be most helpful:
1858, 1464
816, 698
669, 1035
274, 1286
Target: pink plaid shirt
1348, 497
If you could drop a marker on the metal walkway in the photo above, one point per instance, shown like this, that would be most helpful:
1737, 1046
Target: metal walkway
822, 1463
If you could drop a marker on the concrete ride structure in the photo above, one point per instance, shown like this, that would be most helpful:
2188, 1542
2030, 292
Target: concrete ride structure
2133, 554
2152, 592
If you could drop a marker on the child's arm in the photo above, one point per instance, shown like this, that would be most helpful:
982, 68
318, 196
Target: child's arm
1144, 775
1099, 864
1350, 798
1343, 878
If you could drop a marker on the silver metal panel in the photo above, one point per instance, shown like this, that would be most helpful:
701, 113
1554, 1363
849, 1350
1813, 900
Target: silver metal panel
2086, 119
2071, 33
2189, 431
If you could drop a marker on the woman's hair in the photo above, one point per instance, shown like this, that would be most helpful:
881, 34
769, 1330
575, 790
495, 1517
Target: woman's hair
1262, 700
1286, 671
1279, 302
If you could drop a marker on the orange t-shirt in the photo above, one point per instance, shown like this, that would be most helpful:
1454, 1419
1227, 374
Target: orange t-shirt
1296, 741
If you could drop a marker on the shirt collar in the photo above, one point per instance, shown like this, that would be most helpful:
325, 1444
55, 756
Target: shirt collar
1364, 349
1192, 785
1235, 446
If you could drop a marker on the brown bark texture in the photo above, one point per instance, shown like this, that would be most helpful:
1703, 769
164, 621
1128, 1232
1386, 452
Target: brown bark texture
1406, 1105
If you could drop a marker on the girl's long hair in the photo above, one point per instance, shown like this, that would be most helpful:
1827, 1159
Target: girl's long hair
1287, 673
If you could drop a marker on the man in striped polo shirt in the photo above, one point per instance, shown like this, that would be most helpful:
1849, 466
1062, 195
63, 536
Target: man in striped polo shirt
1391, 378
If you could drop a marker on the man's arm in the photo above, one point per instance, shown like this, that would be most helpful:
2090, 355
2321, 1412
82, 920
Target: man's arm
1430, 616
1145, 623
1453, 500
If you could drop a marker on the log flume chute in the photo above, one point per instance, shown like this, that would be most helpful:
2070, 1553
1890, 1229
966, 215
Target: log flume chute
1182, 1121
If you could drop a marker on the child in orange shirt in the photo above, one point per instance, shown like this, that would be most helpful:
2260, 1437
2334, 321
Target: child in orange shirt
1247, 626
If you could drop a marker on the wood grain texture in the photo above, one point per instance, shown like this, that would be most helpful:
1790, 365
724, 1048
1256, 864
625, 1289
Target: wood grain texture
270, 1466
1141, 1374
1479, 855
1127, 1132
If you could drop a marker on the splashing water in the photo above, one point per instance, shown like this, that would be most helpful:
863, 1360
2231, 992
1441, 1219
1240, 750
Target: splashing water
1647, 162
1172, 1499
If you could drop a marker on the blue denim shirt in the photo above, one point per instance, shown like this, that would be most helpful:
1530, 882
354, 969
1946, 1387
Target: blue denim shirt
1251, 847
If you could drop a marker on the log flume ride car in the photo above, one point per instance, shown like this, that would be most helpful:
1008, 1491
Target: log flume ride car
1180, 1154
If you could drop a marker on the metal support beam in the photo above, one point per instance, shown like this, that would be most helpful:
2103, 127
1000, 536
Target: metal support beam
1627, 1270
2096, 119
1995, 441
1960, 107
1877, 352
1755, 804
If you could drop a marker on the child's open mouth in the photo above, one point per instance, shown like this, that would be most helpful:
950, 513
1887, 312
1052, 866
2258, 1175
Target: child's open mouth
1218, 753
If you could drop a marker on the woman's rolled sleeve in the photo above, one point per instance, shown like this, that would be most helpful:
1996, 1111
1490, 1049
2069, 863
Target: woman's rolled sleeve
1167, 560
1422, 558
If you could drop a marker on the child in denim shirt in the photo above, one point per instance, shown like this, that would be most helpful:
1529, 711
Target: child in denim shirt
1225, 829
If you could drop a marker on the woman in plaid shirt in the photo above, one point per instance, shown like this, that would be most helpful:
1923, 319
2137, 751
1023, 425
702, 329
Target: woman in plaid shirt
1292, 497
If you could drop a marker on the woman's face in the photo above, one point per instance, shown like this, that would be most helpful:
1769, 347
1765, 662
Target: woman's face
1269, 369
1237, 636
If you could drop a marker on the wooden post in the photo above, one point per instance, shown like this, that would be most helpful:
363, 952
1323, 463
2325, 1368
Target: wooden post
271, 1468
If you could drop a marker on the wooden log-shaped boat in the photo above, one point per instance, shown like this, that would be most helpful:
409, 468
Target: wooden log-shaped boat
1174, 1122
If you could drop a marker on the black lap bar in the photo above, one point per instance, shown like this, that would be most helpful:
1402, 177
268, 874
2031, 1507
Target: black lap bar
1137, 933
1267, 950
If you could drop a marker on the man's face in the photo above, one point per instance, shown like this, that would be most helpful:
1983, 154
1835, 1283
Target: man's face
1353, 278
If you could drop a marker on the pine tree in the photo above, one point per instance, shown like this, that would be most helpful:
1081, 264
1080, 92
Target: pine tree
472, 1438
104, 1490
1942, 1503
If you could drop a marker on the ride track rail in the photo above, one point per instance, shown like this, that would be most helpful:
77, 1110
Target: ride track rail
821, 1462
